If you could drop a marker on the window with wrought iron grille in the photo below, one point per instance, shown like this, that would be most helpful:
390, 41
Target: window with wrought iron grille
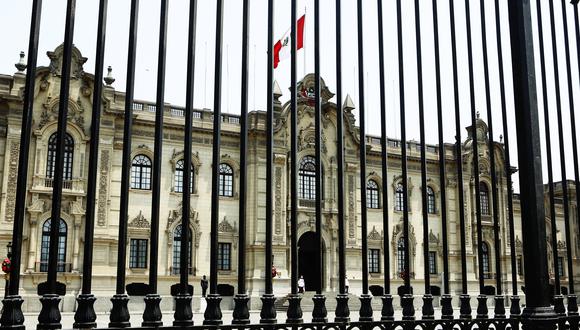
307, 178
484, 198
226, 182
372, 194
432, 262
561, 266
177, 232
69, 147
138, 255
45, 246
141, 173
399, 197
431, 201
485, 260
224, 256
374, 261
179, 173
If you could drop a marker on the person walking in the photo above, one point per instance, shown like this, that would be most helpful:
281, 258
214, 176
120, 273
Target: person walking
204, 285
301, 284
346, 284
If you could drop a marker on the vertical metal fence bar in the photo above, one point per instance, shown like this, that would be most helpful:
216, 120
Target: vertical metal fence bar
12, 316
213, 313
499, 309
366, 310
558, 299
446, 307
481, 299
571, 297
538, 314
465, 306
294, 312
183, 315
407, 298
387, 312
427, 311
241, 314
85, 316
342, 311
268, 313
119, 317
50, 314
319, 313
152, 312
514, 299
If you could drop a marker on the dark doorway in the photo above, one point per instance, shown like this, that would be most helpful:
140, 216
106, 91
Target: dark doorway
308, 254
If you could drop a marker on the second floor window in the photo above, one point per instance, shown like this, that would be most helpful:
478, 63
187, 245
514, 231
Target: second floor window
307, 178
224, 256
399, 197
138, 255
226, 187
374, 265
484, 198
45, 246
179, 174
141, 173
430, 201
372, 194
69, 147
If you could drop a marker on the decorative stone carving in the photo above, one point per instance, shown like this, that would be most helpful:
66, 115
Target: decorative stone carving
225, 227
12, 181
351, 208
278, 201
561, 245
374, 235
518, 242
175, 217
307, 139
50, 109
103, 188
433, 239
139, 222
398, 231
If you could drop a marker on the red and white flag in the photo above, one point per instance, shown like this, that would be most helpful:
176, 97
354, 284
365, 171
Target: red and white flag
282, 48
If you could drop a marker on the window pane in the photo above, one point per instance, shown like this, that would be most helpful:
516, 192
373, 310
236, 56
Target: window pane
224, 256
432, 262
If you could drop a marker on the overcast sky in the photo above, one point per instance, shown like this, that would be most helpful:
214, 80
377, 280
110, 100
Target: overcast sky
15, 20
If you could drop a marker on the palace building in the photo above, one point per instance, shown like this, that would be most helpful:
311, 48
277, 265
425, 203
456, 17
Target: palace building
72, 222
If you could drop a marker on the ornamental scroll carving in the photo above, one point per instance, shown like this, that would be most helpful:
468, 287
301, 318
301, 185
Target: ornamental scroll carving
278, 201
139, 222
351, 208
103, 188
12, 178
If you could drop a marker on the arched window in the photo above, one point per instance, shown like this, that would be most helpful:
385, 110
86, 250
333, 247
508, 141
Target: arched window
307, 178
372, 194
69, 147
45, 246
141, 173
401, 255
179, 171
485, 259
430, 200
484, 198
226, 187
399, 197
177, 250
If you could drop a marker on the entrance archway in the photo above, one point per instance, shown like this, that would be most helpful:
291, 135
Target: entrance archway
308, 254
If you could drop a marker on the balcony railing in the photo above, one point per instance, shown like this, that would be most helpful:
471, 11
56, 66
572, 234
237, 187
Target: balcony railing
62, 267
177, 270
46, 183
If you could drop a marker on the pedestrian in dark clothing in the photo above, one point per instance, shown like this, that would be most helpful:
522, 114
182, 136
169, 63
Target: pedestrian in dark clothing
203, 286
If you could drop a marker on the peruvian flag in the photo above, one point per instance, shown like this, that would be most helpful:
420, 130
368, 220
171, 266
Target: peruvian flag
282, 48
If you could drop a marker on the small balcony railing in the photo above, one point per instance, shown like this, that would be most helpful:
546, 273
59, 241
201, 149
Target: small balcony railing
61, 267
46, 183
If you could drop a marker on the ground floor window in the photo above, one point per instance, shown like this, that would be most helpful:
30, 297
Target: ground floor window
138, 255
374, 265
224, 256
432, 262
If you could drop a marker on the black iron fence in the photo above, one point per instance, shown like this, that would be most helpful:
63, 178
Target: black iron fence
539, 312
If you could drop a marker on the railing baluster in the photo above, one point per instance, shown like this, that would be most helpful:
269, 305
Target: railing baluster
366, 310
183, 315
499, 309
558, 298
119, 317
427, 310
407, 298
571, 297
294, 312
49, 316
152, 312
241, 315
538, 314
12, 303
213, 313
85, 316
387, 312
268, 313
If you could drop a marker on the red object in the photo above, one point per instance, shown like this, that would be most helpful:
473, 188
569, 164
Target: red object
6, 265
282, 47
274, 272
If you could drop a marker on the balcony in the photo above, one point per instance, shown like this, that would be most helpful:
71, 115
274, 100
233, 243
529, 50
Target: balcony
61, 267
45, 184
